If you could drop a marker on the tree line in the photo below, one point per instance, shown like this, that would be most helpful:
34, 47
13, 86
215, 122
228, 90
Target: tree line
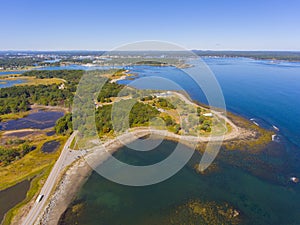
19, 98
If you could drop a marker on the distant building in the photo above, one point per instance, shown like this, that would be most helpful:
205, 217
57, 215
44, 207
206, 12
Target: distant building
61, 87
164, 94
208, 114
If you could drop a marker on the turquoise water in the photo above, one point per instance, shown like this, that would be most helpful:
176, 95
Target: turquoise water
258, 201
256, 184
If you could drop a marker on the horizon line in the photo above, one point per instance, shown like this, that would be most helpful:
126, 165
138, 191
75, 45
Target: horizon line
97, 50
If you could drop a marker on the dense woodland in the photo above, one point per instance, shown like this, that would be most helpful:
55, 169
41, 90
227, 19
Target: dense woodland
64, 124
109, 90
7, 63
140, 114
19, 98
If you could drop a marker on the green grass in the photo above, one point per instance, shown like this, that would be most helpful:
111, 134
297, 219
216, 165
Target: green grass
14, 116
74, 145
36, 165
30, 164
29, 80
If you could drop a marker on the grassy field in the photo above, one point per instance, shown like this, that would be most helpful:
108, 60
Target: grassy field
13, 116
36, 165
28, 166
32, 80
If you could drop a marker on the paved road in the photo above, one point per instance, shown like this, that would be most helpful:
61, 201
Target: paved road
50, 182
68, 156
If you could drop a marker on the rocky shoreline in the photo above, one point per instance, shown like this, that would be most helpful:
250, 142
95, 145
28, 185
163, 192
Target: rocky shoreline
76, 175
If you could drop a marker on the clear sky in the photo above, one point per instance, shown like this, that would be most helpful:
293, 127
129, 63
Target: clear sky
106, 24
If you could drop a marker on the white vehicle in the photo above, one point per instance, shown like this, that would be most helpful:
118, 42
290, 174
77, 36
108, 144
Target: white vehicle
39, 198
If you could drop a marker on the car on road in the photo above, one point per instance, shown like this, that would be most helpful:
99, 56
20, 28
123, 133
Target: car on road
39, 198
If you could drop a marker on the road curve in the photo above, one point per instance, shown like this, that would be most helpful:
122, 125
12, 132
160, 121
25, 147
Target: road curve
52, 179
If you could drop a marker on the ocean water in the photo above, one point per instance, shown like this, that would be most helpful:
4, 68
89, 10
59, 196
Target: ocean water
257, 185
268, 92
258, 201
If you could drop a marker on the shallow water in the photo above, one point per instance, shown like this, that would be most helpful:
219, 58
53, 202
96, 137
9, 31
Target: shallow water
12, 196
50, 146
37, 120
50, 133
3, 73
9, 83
257, 200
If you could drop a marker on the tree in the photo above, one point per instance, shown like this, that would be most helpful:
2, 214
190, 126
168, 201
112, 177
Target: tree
64, 124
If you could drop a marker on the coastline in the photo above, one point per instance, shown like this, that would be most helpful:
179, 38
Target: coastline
77, 174
73, 177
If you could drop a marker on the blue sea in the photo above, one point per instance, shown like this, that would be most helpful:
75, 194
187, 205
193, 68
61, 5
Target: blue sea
256, 89
257, 185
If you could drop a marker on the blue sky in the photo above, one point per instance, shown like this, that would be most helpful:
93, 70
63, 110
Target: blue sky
106, 24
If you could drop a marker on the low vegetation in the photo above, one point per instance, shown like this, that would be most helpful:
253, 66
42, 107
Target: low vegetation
14, 150
29, 165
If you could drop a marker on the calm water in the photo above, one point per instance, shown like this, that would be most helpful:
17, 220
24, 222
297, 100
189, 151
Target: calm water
9, 83
11, 72
38, 120
50, 133
12, 196
259, 201
50, 146
256, 89
256, 184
